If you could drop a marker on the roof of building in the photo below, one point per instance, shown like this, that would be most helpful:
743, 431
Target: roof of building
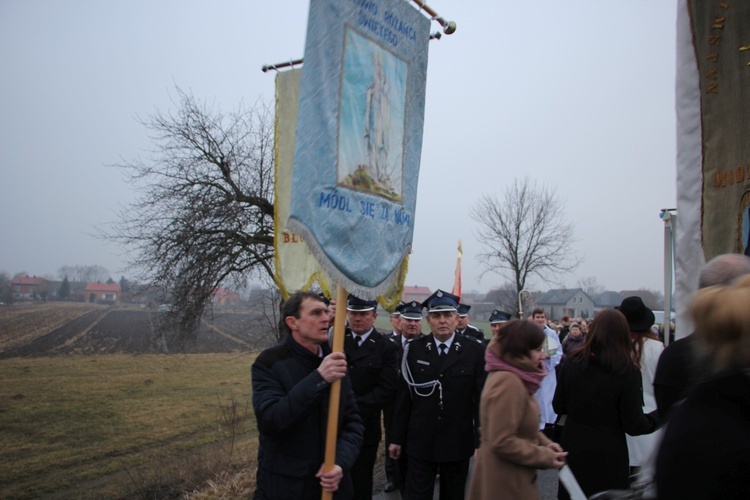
417, 290
102, 287
27, 280
608, 299
559, 296
226, 293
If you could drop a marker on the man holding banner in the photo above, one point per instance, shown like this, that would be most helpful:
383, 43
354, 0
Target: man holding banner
291, 386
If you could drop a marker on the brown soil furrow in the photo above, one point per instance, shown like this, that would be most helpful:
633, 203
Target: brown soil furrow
95, 319
23, 324
225, 334
62, 328
50, 341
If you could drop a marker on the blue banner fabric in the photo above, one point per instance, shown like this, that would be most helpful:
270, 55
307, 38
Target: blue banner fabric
359, 138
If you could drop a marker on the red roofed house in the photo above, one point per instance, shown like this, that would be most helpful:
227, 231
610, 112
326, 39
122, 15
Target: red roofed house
29, 287
418, 293
225, 297
102, 292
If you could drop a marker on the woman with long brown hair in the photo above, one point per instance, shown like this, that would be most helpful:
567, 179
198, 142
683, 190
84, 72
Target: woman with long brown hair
599, 391
512, 447
646, 349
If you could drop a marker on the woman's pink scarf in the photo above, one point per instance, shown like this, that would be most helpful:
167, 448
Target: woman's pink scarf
531, 379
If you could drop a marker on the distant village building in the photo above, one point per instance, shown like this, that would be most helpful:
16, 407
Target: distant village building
102, 292
607, 300
29, 288
650, 299
471, 298
418, 293
225, 297
561, 302
481, 311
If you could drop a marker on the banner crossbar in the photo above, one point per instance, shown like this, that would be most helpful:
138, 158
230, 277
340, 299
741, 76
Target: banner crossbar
449, 27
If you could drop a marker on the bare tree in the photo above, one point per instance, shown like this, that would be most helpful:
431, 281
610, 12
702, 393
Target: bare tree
653, 299
505, 297
6, 290
268, 302
84, 273
525, 234
205, 211
591, 286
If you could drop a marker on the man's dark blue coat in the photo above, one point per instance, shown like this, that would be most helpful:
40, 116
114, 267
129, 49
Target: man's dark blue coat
290, 399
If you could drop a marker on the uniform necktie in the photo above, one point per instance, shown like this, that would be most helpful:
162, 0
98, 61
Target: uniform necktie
359, 340
443, 349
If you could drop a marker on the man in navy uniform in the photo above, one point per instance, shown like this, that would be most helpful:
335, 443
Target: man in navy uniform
411, 328
411, 322
373, 369
395, 322
437, 406
466, 329
497, 318
389, 464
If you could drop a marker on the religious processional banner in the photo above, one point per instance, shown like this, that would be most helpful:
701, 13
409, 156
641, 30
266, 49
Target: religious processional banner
722, 43
713, 127
359, 139
296, 267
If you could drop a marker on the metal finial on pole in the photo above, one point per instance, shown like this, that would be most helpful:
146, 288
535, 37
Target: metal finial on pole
449, 27
277, 67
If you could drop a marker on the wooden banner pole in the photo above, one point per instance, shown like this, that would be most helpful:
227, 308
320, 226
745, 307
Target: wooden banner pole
339, 326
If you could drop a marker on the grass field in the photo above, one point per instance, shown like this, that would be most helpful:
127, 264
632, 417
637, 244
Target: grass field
117, 425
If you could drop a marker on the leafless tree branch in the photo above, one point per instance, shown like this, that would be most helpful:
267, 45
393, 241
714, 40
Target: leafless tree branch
524, 234
205, 210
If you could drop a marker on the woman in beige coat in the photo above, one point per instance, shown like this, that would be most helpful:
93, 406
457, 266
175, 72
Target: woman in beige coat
512, 447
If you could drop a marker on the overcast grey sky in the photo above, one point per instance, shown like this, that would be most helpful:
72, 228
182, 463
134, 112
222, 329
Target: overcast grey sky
577, 94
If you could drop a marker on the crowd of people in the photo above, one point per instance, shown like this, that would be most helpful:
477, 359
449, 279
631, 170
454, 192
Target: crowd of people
602, 397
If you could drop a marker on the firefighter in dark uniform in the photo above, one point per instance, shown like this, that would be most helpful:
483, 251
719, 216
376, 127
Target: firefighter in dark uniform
372, 362
390, 465
497, 318
466, 329
395, 323
437, 406
411, 328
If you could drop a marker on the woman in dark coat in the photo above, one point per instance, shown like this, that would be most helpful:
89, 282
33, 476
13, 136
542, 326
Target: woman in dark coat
599, 389
573, 340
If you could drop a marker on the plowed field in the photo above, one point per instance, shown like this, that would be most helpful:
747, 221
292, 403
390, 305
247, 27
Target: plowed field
62, 328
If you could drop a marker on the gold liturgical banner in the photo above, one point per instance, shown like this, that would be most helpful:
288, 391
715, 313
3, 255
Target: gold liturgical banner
721, 37
296, 268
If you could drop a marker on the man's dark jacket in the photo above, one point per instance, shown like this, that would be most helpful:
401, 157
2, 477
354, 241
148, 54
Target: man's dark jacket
431, 431
373, 371
290, 399
474, 333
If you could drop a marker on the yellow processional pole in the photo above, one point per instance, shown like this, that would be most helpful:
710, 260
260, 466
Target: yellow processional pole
339, 326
